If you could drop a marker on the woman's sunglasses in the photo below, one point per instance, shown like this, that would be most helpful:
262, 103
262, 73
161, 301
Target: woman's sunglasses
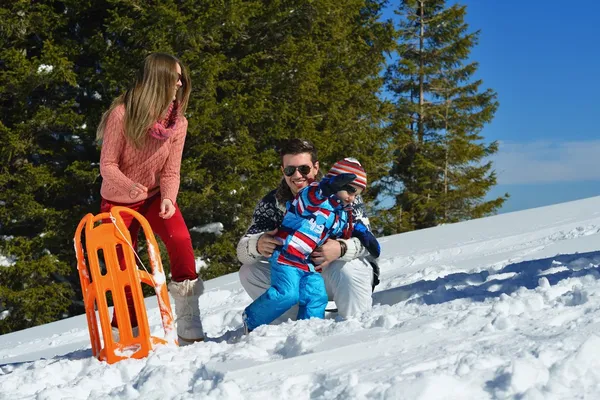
291, 170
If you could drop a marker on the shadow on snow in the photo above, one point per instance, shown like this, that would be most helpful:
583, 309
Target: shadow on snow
479, 286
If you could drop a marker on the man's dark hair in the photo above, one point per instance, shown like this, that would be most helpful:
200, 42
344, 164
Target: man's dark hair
299, 146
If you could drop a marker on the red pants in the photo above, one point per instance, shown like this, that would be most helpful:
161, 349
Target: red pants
173, 232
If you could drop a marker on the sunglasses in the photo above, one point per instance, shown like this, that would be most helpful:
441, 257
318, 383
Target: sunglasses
350, 189
291, 170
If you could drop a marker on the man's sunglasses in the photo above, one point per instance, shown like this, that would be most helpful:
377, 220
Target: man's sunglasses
291, 170
350, 189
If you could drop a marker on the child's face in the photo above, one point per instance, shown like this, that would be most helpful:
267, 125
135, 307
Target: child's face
349, 193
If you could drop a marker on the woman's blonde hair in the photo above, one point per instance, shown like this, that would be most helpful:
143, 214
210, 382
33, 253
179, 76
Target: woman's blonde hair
150, 96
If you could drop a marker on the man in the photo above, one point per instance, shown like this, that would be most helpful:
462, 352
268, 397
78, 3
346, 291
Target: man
349, 277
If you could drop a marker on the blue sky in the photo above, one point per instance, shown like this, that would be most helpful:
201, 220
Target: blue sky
541, 57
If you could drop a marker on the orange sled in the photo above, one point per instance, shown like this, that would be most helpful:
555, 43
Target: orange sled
107, 237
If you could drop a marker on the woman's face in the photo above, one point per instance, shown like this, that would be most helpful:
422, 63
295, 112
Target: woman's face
179, 83
297, 180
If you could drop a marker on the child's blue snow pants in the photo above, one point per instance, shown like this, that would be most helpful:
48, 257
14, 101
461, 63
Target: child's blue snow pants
289, 286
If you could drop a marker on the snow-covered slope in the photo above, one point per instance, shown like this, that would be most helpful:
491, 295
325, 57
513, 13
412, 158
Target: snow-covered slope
500, 307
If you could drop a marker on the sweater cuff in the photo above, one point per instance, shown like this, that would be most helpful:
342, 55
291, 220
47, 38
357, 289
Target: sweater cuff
246, 249
166, 193
353, 249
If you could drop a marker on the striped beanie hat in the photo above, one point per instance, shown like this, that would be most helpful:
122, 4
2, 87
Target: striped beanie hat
350, 166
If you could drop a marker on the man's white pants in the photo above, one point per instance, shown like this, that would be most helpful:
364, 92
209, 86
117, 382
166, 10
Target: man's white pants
348, 283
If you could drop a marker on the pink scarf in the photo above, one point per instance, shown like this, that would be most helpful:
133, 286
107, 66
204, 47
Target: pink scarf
162, 130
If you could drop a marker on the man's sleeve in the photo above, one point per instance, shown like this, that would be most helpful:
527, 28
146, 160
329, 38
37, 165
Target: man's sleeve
359, 212
354, 247
266, 217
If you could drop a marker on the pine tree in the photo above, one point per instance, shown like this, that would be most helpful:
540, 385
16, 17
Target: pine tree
298, 69
262, 72
440, 173
44, 172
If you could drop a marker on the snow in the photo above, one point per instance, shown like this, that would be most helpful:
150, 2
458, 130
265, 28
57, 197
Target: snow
215, 228
45, 69
7, 261
496, 308
200, 264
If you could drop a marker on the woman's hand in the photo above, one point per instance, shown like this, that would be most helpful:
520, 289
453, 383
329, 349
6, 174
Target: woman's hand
167, 209
137, 190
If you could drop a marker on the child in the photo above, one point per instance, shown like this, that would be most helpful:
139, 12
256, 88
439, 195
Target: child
318, 212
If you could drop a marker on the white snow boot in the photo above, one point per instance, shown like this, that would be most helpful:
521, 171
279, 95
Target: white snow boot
189, 324
116, 336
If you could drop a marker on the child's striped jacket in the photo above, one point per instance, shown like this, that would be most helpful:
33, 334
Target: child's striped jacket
310, 220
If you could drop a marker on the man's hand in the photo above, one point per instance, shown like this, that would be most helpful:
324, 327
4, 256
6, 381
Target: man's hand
330, 251
167, 209
267, 242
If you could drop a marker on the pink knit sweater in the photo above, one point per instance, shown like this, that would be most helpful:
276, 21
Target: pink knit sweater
155, 165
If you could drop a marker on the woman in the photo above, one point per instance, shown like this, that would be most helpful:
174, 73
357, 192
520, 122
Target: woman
142, 137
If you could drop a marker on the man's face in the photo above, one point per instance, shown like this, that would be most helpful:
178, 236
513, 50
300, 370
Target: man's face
298, 180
